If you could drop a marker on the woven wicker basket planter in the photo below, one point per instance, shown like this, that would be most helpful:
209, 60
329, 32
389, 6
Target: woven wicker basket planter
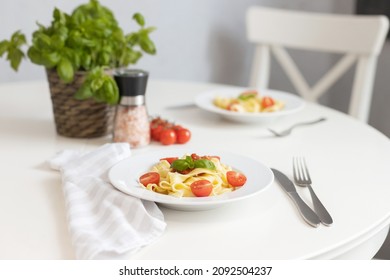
77, 118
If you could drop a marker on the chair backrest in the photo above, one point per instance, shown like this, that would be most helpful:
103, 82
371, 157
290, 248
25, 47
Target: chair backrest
360, 38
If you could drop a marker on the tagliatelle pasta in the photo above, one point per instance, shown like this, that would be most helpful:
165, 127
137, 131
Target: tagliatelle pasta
181, 184
250, 102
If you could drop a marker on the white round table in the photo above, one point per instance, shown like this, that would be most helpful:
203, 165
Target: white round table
349, 163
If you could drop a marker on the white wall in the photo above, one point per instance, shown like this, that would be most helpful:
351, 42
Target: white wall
199, 40
203, 40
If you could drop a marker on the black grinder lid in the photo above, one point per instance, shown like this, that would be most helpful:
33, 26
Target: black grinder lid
131, 82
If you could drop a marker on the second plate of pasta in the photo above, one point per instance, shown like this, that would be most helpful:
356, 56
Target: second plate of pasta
126, 174
237, 104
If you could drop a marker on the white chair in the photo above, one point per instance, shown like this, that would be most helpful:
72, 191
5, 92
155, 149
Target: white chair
360, 38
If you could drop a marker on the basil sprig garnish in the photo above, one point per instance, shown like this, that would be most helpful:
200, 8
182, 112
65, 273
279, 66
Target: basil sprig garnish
188, 163
245, 97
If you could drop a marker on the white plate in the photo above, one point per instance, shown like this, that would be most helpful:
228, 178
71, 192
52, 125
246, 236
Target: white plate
124, 176
293, 104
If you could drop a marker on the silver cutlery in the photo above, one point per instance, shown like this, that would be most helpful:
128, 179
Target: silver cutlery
302, 178
288, 131
307, 213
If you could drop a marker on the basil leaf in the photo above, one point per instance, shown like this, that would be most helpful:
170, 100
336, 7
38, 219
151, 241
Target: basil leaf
204, 163
245, 97
15, 57
149, 29
86, 61
190, 162
146, 44
18, 39
4, 46
180, 164
111, 92
42, 41
58, 41
35, 55
132, 38
84, 92
65, 70
59, 16
97, 83
50, 60
139, 19
104, 58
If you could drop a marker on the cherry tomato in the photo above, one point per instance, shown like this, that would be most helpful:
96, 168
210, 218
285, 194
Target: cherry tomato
155, 131
210, 157
177, 127
157, 125
195, 156
159, 121
169, 159
201, 188
230, 107
168, 137
267, 102
149, 178
235, 178
183, 135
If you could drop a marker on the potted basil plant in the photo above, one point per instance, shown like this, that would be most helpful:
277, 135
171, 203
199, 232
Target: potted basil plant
79, 51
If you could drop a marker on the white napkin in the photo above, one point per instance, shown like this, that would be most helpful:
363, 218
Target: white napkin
104, 223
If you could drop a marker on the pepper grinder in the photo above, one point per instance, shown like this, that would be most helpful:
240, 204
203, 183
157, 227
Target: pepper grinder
131, 123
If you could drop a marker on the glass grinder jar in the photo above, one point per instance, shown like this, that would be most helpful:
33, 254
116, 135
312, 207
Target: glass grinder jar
131, 123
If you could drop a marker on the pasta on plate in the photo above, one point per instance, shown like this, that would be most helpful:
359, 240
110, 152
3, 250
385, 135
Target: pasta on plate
191, 176
249, 102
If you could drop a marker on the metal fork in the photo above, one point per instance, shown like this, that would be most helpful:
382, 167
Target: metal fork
288, 131
302, 178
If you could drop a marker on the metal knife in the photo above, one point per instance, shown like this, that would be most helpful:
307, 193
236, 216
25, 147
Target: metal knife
307, 213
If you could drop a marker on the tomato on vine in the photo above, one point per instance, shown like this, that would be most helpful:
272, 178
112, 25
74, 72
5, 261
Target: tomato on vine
168, 137
183, 135
168, 133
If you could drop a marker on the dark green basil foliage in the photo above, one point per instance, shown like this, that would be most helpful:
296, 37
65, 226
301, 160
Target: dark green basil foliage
88, 39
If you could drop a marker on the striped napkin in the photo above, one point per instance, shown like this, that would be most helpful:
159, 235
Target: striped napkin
104, 223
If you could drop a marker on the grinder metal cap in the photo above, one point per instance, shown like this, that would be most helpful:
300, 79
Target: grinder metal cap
132, 86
